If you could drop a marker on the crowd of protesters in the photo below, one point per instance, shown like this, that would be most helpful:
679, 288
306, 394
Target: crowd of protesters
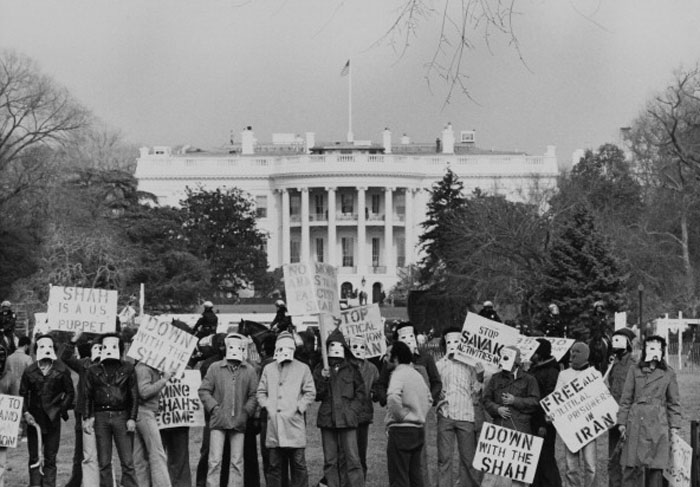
116, 402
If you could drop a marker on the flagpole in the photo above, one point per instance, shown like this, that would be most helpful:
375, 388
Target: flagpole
351, 136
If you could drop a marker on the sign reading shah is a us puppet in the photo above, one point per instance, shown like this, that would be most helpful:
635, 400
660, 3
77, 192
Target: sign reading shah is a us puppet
507, 453
162, 346
582, 409
82, 309
482, 342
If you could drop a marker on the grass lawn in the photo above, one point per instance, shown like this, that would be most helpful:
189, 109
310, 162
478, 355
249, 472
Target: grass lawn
17, 475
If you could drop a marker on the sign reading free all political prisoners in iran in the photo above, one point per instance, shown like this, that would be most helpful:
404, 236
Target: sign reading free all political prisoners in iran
365, 321
508, 453
162, 346
82, 309
482, 341
311, 289
179, 404
582, 409
10, 416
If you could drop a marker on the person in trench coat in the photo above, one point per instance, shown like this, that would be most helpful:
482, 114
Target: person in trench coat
650, 412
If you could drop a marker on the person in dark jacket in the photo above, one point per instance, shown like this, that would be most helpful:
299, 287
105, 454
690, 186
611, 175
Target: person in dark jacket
48, 393
207, 323
488, 312
8, 385
623, 360
282, 320
553, 326
111, 409
8, 322
341, 390
85, 466
545, 369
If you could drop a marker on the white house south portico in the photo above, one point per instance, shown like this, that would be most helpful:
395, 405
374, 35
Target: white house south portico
357, 206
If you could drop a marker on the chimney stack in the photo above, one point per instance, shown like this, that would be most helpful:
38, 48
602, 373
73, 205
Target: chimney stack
248, 141
387, 141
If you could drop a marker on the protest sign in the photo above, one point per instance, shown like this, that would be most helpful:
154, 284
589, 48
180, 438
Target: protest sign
162, 346
620, 320
678, 472
482, 341
311, 289
41, 324
82, 309
10, 416
179, 404
508, 453
528, 345
365, 321
582, 409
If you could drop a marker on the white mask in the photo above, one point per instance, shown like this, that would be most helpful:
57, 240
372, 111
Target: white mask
452, 340
619, 342
652, 351
110, 348
358, 347
235, 345
45, 350
408, 336
284, 349
95, 352
507, 360
336, 349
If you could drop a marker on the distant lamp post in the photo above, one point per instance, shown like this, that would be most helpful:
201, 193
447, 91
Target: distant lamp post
640, 288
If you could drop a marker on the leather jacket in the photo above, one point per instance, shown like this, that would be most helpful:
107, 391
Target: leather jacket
47, 397
111, 387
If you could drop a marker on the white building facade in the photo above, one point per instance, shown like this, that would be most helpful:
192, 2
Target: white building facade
356, 206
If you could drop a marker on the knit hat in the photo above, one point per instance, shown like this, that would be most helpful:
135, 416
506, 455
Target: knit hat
285, 339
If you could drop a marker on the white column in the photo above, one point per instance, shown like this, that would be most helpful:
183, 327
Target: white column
408, 227
332, 259
286, 234
305, 233
389, 259
361, 232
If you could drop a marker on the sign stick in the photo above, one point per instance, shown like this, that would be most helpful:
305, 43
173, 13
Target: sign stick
324, 331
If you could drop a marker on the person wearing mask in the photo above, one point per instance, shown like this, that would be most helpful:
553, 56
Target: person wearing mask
579, 467
207, 323
650, 413
267, 356
85, 466
408, 403
150, 461
622, 362
8, 322
47, 389
228, 395
511, 397
545, 369
285, 392
9, 386
111, 409
342, 394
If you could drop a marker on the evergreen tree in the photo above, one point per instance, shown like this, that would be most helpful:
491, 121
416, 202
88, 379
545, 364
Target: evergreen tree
580, 270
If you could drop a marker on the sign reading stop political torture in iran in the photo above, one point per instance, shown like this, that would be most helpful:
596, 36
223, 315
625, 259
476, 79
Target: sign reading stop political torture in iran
367, 322
82, 309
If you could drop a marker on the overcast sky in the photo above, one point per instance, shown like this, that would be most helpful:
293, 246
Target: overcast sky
190, 71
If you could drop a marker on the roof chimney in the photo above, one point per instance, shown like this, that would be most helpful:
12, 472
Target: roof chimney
248, 141
448, 140
387, 140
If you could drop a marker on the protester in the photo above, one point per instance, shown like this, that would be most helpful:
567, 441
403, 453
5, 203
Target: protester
10, 386
207, 323
545, 369
456, 419
285, 392
267, 356
229, 408
408, 403
370, 374
511, 397
8, 322
19, 359
150, 462
282, 320
111, 409
579, 467
622, 347
342, 392
488, 312
48, 393
85, 466
649, 408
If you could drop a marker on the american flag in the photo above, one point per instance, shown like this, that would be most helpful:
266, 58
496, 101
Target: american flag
346, 69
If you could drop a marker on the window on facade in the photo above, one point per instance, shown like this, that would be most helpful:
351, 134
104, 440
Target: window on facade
375, 252
346, 203
319, 250
400, 252
348, 258
261, 206
318, 204
375, 203
294, 251
295, 204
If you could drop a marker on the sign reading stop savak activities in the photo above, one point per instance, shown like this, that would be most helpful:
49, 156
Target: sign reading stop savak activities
10, 416
311, 289
82, 309
365, 321
678, 472
162, 346
179, 403
482, 341
507, 453
582, 409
